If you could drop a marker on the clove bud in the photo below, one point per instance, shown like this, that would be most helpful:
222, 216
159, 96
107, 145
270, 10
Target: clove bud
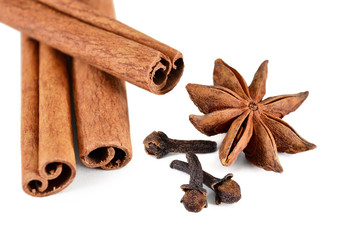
226, 189
194, 199
158, 144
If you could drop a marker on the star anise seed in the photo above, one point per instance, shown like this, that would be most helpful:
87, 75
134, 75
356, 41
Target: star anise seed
253, 125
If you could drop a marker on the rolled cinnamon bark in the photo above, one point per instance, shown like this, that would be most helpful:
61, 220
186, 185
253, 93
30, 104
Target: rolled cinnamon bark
48, 161
104, 43
100, 103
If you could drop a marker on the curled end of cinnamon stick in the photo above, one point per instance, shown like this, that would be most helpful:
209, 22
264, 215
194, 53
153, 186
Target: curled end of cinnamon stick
53, 178
166, 74
107, 157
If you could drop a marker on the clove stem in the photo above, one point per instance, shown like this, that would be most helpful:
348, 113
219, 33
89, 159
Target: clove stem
195, 146
208, 179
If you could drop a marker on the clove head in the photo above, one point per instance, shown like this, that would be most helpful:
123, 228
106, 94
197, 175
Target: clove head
156, 144
194, 200
227, 190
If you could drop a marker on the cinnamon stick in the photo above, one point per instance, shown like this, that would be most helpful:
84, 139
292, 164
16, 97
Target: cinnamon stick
99, 41
48, 161
81, 9
101, 111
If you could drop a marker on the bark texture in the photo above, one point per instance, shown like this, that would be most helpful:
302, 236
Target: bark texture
48, 161
101, 110
99, 41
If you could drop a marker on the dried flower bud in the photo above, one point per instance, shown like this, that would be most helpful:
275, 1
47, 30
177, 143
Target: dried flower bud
194, 200
227, 190
158, 144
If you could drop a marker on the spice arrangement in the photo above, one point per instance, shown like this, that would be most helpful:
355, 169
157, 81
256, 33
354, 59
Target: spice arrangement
253, 125
81, 40
226, 190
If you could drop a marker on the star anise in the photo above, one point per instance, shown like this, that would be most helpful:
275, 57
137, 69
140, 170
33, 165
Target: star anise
253, 125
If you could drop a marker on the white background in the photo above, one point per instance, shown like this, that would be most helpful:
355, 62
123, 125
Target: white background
310, 45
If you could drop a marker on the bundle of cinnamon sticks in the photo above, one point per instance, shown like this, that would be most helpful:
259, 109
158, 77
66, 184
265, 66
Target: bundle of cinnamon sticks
104, 53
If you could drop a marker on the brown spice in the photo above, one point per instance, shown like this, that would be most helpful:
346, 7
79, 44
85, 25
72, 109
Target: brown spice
158, 144
194, 199
48, 161
253, 125
226, 190
100, 41
101, 111
95, 16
